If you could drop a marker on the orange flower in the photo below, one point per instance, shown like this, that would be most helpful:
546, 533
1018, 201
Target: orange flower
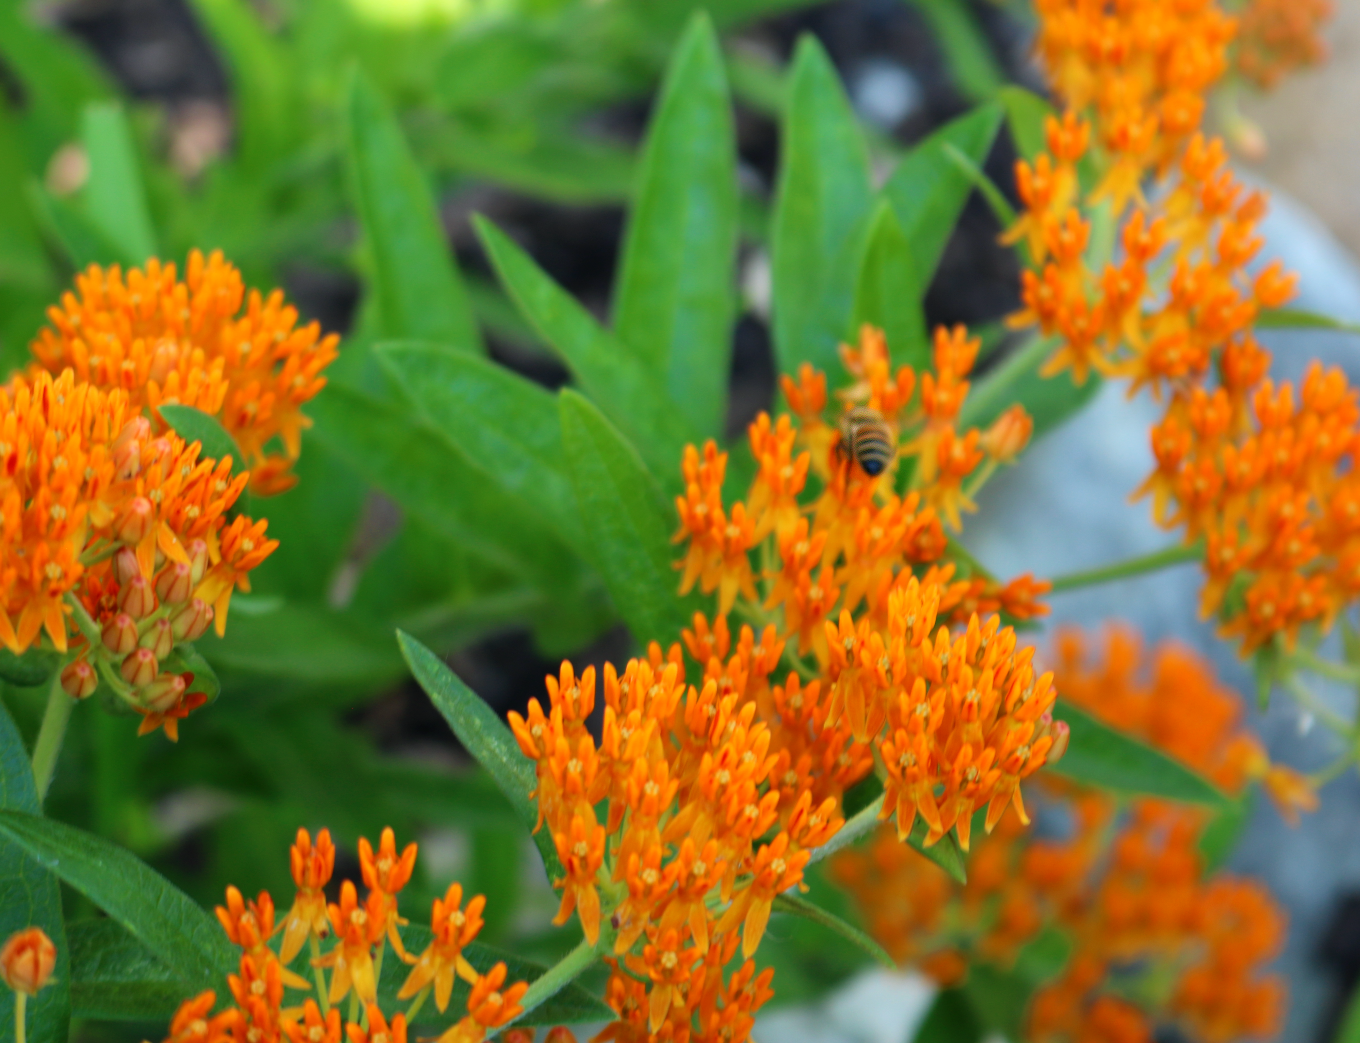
378, 1031
488, 1007
192, 1023
311, 868
357, 929
582, 854
26, 960
385, 875
453, 929
314, 1027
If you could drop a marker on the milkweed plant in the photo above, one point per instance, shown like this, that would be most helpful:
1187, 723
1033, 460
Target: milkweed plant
836, 726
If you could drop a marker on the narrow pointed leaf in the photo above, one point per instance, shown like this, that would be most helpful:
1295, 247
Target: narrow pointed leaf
889, 292
796, 906
420, 292
1025, 116
1297, 319
1101, 756
504, 424
484, 736
29, 895
822, 198
115, 977
928, 191
194, 425
625, 388
115, 197
152, 909
628, 524
675, 300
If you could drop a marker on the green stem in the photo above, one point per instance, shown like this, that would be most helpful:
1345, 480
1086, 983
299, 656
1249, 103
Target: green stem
87, 626
323, 998
563, 972
1333, 771
1315, 664
979, 479
991, 394
20, 1008
859, 824
417, 1003
1310, 702
50, 734
1161, 559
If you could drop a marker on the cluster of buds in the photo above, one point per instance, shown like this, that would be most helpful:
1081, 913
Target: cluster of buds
1131, 890
359, 933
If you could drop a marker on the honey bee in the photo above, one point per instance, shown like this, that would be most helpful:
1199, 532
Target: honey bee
865, 435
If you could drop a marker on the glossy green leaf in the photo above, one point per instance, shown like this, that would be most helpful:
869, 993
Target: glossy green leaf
503, 423
29, 670
1297, 319
153, 910
115, 198
928, 190
194, 425
972, 66
29, 894
115, 977
419, 290
889, 292
675, 299
414, 464
571, 1005
821, 203
1102, 756
951, 1019
628, 523
796, 906
484, 736
626, 389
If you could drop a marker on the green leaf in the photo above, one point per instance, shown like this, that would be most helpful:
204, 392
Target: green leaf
1049, 400
484, 736
153, 910
951, 1019
999, 998
304, 642
796, 906
945, 853
968, 54
928, 189
194, 425
1101, 756
1349, 1031
628, 524
570, 1005
626, 389
675, 299
29, 670
822, 199
186, 658
502, 422
1025, 116
889, 292
1221, 835
69, 229
115, 198
115, 977
416, 465
1296, 319
29, 895
420, 293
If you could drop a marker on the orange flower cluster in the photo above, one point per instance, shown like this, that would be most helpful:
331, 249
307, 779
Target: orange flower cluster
1255, 470
115, 543
1131, 892
163, 341
361, 932
1277, 37
858, 577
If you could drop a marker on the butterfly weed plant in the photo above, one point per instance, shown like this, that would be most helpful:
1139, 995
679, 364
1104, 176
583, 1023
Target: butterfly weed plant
835, 719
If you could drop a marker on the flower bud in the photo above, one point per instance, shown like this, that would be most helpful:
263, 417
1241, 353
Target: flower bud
190, 622
559, 1034
518, 1036
136, 598
175, 584
120, 634
125, 565
1008, 435
159, 638
1061, 734
26, 960
79, 679
198, 560
136, 522
139, 669
164, 692
127, 447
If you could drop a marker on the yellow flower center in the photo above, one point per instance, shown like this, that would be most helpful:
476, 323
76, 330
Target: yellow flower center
650, 876
257, 987
358, 917
669, 960
316, 1034
581, 849
779, 865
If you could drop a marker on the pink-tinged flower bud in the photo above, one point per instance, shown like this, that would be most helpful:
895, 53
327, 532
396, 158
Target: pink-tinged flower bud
160, 638
164, 692
175, 584
190, 622
125, 565
560, 1034
136, 521
120, 634
127, 447
26, 960
79, 679
139, 669
136, 598
198, 560
1061, 734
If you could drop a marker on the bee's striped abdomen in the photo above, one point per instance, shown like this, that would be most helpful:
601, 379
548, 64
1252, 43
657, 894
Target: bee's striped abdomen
869, 439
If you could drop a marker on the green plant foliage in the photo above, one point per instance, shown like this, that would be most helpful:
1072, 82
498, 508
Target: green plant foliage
194, 425
114, 197
116, 977
796, 906
889, 292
